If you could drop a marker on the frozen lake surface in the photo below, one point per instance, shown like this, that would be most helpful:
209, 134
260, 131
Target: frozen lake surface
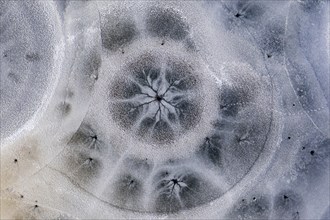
165, 109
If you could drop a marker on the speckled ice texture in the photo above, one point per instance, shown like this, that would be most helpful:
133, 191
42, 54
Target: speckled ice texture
165, 109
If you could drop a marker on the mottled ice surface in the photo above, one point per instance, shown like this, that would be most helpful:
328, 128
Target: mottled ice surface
160, 110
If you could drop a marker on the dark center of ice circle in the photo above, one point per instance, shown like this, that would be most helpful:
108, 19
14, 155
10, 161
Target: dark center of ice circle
160, 104
158, 98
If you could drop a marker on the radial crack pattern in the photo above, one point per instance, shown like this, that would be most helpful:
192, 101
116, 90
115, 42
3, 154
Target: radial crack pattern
160, 103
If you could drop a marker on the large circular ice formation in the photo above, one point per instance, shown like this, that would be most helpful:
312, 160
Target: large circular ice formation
30, 38
165, 132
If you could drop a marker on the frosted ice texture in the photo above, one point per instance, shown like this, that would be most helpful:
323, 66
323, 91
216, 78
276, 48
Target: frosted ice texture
215, 109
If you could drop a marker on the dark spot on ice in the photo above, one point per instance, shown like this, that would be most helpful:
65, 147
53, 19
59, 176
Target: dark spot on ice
32, 57
64, 108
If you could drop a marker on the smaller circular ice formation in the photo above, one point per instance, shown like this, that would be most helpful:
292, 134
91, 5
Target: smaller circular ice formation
160, 102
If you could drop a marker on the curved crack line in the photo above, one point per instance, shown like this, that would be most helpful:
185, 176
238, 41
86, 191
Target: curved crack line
288, 75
